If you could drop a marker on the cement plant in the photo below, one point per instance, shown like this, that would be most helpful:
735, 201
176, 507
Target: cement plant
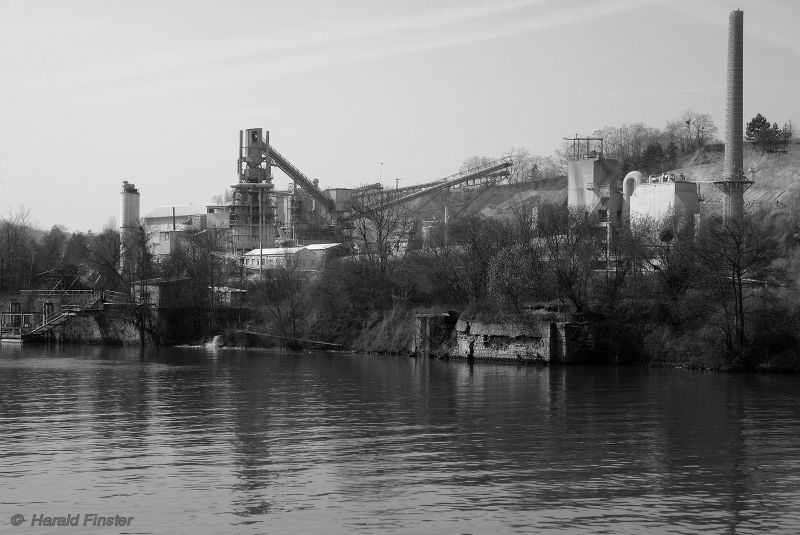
559, 252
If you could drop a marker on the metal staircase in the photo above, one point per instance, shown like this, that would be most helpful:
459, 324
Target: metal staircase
67, 311
86, 300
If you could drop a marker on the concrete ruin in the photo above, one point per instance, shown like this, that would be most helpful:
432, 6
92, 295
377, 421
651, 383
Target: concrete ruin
536, 339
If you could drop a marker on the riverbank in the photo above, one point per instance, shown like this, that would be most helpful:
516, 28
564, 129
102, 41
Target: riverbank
539, 335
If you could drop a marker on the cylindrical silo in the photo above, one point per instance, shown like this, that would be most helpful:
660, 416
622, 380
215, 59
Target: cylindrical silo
128, 223
129, 206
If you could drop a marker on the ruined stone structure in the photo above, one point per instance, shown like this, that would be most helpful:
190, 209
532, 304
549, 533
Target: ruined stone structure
526, 339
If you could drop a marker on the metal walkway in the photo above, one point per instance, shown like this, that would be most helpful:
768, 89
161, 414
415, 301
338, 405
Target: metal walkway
21, 326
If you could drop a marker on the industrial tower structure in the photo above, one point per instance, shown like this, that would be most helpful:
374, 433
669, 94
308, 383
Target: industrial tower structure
253, 223
734, 183
251, 210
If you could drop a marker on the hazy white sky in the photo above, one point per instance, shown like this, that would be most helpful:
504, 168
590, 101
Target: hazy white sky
94, 92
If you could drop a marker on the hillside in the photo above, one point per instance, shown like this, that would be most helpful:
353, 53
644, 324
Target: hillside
492, 201
777, 185
777, 176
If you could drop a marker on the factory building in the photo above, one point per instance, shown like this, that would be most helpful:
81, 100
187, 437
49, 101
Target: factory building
595, 185
167, 226
659, 196
592, 185
308, 258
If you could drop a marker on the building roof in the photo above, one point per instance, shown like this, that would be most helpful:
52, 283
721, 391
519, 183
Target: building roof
180, 211
160, 280
273, 251
320, 246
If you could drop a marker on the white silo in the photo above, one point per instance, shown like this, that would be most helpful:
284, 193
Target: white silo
128, 222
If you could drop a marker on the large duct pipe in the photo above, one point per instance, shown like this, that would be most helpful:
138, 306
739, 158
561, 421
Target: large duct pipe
734, 172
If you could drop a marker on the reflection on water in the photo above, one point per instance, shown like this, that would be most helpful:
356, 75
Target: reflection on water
230, 441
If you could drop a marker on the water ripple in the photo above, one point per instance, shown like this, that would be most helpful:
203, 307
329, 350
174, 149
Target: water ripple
259, 442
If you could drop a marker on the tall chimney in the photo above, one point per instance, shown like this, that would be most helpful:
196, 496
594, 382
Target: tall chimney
734, 199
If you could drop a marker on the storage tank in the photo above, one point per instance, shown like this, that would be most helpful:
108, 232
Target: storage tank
128, 224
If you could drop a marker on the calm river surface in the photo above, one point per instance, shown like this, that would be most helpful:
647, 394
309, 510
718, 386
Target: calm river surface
242, 441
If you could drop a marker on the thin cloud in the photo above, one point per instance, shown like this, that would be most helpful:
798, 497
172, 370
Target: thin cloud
218, 64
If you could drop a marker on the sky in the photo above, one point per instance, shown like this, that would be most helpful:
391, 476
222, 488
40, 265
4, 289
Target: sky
352, 92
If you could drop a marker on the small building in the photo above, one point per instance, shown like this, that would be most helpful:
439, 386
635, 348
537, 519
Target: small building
229, 297
313, 257
270, 258
341, 198
163, 293
310, 258
164, 243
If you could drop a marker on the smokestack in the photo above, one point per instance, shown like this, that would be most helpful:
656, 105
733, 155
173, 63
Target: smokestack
734, 198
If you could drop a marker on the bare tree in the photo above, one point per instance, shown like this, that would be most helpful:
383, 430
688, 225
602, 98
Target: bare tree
574, 247
734, 254
700, 127
102, 256
379, 232
17, 249
667, 248
518, 274
280, 293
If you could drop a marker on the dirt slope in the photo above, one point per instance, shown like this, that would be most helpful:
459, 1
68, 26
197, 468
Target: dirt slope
777, 175
491, 201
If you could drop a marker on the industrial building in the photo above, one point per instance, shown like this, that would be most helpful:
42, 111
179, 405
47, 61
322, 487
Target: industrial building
595, 185
659, 196
166, 227
308, 258
260, 219
265, 227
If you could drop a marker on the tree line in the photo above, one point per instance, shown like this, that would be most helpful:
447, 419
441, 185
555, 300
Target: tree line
659, 291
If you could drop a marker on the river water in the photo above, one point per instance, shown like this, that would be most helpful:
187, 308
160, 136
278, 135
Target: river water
243, 441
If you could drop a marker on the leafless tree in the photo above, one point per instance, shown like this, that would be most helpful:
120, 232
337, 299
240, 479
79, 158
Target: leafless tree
17, 249
379, 232
733, 254
574, 246
279, 292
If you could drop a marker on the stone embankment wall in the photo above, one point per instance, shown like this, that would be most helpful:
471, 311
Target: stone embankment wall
534, 339
507, 340
433, 334
100, 327
118, 325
